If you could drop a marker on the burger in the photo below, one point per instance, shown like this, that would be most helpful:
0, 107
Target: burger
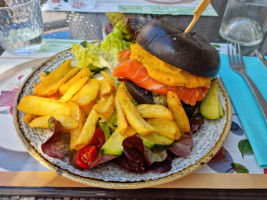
164, 58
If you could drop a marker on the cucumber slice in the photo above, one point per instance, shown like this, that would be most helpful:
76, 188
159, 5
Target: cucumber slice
113, 146
211, 107
156, 141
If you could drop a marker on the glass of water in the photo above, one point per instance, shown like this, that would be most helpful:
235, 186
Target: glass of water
21, 26
244, 22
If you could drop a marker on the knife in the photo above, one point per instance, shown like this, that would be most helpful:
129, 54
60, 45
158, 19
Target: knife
262, 59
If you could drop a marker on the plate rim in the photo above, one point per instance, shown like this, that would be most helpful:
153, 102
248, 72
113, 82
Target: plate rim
120, 185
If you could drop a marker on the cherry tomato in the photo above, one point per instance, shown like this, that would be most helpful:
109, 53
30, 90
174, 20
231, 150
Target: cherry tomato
98, 139
85, 156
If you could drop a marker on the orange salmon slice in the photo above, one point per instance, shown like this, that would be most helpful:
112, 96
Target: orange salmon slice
136, 72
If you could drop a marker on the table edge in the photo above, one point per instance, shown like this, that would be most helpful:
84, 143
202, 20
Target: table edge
193, 181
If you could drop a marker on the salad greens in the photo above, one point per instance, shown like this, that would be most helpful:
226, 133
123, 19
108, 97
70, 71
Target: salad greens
105, 53
108, 125
57, 146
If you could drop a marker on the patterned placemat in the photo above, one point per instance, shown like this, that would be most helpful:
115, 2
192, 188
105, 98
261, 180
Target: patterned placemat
236, 157
160, 7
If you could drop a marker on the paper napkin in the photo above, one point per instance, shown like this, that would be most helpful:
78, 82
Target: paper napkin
246, 105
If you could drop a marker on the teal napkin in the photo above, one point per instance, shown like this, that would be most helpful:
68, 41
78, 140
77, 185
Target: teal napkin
246, 105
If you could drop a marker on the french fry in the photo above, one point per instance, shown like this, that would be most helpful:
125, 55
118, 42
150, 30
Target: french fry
129, 131
29, 117
178, 112
165, 127
122, 124
77, 114
88, 130
87, 108
107, 86
88, 93
42, 76
43, 106
73, 89
84, 72
133, 116
42, 122
54, 96
154, 110
55, 79
105, 106
74, 135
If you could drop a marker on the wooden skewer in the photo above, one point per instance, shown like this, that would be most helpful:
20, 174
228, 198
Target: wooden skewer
197, 13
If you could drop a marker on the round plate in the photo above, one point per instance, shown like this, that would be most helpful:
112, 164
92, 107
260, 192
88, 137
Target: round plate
207, 141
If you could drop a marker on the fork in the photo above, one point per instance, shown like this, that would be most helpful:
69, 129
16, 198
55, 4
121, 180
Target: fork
262, 59
237, 64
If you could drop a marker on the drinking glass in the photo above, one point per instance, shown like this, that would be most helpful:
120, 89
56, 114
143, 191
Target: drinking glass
244, 22
21, 26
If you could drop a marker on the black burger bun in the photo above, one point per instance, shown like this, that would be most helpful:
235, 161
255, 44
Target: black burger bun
189, 52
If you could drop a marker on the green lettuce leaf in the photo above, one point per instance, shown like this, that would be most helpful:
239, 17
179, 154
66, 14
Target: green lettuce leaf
105, 54
121, 22
105, 129
108, 125
112, 121
90, 54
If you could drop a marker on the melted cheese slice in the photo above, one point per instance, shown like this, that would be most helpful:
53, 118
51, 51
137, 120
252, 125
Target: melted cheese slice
166, 73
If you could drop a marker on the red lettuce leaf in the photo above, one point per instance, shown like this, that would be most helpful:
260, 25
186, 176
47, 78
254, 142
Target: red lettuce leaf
156, 156
182, 147
134, 149
195, 123
101, 158
137, 158
58, 144
124, 163
161, 167
72, 161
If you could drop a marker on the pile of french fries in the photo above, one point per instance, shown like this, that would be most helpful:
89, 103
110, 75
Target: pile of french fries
70, 95
78, 102
146, 119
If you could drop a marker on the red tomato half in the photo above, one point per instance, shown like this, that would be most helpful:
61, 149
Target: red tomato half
85, 156
98, 139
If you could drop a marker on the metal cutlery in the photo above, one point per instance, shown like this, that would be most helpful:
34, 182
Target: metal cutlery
262, 59
237, 64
